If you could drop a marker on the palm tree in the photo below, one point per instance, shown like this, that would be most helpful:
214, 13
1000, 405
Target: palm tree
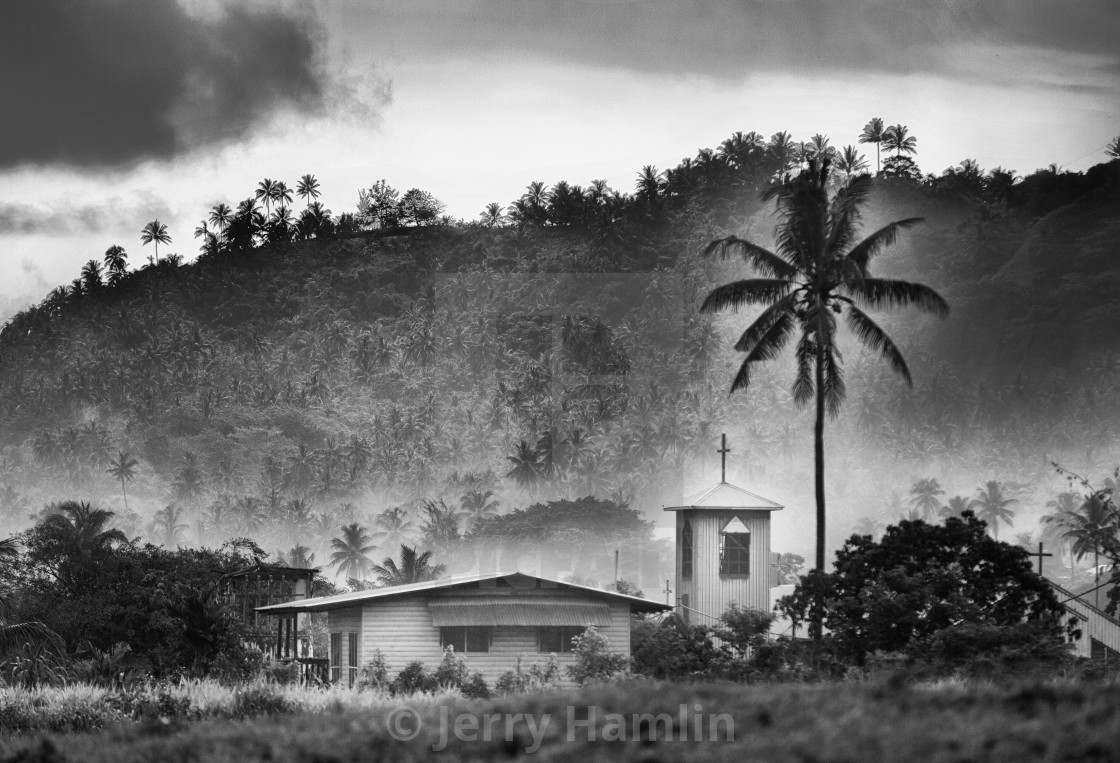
155, 232
817, 273
266, 192
1113, 148
14, 636
393, 527
851, 161
493, 215
308, 189
281, 194
1093, 527
873, 133
220, 216
527, 471
350, 552
167, 526
123, 470
84, 527
896, 139
924, 499
957, 506
116, 261
478, 505
413, 568
993, 507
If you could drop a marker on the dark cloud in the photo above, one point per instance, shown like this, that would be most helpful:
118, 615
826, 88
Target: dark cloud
109, 82
736, 38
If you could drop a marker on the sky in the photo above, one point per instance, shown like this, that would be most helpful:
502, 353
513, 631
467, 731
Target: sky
118, 112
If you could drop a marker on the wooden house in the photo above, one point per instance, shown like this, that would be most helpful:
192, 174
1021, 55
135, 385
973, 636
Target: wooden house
260, 585
490, 620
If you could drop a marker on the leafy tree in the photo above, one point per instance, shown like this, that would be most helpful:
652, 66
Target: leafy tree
350, 553
379, 207
412, 567
873, 133
155, 232
902, 167
993, 507
418, 207
818, 272
920, 579
123, 469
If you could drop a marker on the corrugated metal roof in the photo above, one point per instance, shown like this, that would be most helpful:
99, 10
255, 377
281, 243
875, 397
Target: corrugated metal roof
502, 610
343, 600
728, 496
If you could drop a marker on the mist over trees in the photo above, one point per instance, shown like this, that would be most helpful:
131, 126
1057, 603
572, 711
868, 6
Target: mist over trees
308, 372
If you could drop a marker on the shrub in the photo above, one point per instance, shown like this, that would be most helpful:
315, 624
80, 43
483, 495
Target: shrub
282, 673
518, 681
978, 649
593, 660
414, 678
475, 687
744, 629
671, 648
451, 671
260, 700
375, 673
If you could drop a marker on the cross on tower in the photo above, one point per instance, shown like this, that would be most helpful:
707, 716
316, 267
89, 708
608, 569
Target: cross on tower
723, 451
667, 591
1040, 555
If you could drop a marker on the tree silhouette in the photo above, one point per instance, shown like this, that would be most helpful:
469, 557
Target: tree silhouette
308, 189
81, 526
266, 192
992, 506
1092, 528
1113, 148
478, 505
155, 232
818, 272
116, 261
167, 526
220, 216
873, 133
528, 469
957, 506
413, 567
350, 553
393, 527
123, 469
897, 139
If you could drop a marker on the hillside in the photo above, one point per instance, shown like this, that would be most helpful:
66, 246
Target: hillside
281, 390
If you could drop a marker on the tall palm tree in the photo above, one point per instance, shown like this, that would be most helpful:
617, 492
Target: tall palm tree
85, 527
266, 192
155, 232
873, 133
923, 497
528, 470
819, 271
413, 568
220, 216
308, 189
993, 506
123, 469
1113, 148
116, 261
167, 526
897, 139
851, 162
393, 527
957, 506
350, 553
281, 194
493, 215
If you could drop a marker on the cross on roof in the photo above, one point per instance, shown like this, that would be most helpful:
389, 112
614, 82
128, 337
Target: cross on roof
723, 451
1040, 554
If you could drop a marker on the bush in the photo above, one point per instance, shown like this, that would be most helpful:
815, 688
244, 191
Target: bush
375, 673
518, 681
282, 673
475, 687
259, 700
983, 650
414, 678
451, 671
593, 660
671, 648
744, 629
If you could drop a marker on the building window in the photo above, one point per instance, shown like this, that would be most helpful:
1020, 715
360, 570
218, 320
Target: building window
735, 549
336, 655
352, 659
557, 639
686, 550
470, 638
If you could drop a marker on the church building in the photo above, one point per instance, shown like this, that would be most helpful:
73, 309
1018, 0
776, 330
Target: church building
723, 550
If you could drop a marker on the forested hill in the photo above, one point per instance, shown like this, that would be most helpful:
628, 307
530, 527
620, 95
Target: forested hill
295, 377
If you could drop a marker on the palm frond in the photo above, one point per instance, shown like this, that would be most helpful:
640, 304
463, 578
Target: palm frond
765, 261
763, 322
884, 292
14, 636
834, 388
751, 291
844, 214
803, 384
862, 252
869, 332
767, 347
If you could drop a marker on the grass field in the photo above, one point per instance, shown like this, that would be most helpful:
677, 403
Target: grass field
856, 721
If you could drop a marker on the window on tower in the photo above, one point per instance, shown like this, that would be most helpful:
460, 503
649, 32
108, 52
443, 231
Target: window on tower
735, 549
686, 550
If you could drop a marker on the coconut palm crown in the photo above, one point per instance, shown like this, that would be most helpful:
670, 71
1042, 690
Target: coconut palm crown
819, 272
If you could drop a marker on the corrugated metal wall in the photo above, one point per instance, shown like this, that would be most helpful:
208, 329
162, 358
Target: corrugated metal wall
1095, 625
708, 592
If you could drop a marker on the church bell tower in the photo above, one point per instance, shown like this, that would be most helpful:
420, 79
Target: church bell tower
723, 550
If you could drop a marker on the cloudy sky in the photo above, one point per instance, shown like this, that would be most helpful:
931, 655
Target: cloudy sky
121, 111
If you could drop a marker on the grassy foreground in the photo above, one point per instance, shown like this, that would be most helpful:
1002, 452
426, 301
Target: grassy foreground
874, 721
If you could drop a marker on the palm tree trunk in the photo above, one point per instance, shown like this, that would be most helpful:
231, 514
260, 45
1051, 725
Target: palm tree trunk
818, 452
125, 494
